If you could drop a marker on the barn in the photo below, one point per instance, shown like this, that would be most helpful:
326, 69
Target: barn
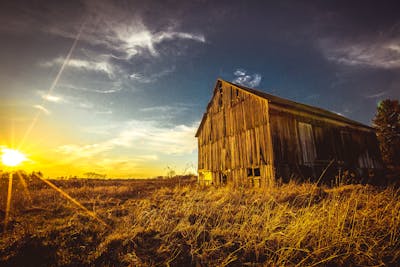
250, 138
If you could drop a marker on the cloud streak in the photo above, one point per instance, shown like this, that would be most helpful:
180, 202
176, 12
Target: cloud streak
43, 109
82, 64
378, 53
149, 78
377, 95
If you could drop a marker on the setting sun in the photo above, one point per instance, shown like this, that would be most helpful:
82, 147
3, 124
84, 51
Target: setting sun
12, 157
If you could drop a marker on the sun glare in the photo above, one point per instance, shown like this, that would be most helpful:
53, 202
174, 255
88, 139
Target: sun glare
12, 157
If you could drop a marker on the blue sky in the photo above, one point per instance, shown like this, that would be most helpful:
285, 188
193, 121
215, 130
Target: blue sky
133, 89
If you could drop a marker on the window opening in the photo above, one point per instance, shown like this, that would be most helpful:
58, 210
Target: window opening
249, 172
253, 172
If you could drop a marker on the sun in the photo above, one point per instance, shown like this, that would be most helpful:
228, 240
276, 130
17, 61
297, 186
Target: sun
12, 157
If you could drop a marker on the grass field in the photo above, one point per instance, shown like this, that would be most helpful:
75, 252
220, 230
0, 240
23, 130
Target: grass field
175, 222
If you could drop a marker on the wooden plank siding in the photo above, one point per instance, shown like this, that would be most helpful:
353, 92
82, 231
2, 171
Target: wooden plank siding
304, 145
235, 137
249, 138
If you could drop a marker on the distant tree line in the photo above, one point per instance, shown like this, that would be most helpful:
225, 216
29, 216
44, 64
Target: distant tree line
94, 175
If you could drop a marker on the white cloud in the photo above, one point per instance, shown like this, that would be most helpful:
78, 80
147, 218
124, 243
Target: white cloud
145, 136
110, 43
178, 139
170, 35
239, 72
73, 102
124, 33
51, 98
129, 37
250, 80
378, 53
43, 109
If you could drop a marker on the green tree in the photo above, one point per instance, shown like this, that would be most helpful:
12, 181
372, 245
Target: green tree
387, 125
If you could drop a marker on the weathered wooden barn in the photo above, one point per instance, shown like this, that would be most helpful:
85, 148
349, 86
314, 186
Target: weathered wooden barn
251, 138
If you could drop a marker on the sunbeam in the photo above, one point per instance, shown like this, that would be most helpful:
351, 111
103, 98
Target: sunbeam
53, 85
8, 206
59, 190
25, 186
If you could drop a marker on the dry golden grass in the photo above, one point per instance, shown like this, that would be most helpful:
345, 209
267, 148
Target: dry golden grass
289, 225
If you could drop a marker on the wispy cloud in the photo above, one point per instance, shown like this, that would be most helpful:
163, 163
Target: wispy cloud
379, 52
87, 65
166, 109
73, 102
239, 72
43, 109
115, 87
124, 32
145, 136
86, 105
113, 42
83, 151
338, 113
142, 78
377, 95
177, 139
128, 38
51, 97
243, 78
147, 142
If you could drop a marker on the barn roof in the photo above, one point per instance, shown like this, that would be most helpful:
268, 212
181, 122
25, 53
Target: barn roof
289, 104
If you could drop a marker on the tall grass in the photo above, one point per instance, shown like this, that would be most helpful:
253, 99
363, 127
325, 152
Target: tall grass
287, 225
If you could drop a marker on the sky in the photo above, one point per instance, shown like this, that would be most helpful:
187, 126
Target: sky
119, 87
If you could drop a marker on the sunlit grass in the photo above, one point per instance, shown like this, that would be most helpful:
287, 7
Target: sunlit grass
289, 225
28, 196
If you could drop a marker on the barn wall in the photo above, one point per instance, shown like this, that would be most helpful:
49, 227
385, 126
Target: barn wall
305, 144
234, 143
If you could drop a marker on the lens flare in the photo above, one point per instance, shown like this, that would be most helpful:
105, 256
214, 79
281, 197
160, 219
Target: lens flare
12, 157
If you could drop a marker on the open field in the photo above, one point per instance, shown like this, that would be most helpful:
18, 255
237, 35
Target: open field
177, 223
